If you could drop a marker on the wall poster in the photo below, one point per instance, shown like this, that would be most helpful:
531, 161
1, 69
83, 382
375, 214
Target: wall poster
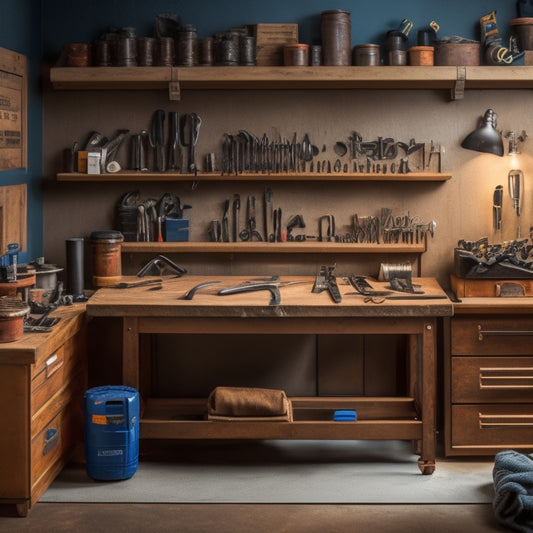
13, 93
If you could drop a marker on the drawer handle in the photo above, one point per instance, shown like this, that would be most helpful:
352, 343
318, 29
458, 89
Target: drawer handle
505, 421
53, 364
513, 378
500, 333
50, 440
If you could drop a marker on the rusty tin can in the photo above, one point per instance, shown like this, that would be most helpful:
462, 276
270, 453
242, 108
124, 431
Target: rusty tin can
107, 262
296, 55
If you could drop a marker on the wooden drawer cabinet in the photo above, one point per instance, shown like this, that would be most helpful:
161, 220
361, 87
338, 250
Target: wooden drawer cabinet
489, 380
42, 380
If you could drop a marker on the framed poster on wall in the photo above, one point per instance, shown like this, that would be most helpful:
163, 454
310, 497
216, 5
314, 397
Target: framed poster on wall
13, 110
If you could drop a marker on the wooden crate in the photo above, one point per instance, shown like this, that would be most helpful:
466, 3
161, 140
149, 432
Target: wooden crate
270, 40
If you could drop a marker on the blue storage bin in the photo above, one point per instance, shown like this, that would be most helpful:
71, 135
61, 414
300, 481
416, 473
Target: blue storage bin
111, 426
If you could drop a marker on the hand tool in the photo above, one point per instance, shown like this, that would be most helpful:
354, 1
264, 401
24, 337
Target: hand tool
215, 231
132, 284
157, 140
250, 231
328, 235
297, 221
190, 130
516, 188
175, 156
225, 222
381, 299
271, 285
189, 295
161, 266
276, 236
497, 203
268, 213
326, 280
109, 151
236, 209
364, 288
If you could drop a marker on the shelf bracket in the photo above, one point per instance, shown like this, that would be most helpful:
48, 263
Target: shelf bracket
174, 85
458, 90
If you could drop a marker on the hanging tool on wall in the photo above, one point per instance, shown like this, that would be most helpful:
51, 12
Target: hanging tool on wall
497, 204
190, 131
175, 155
516, 190
157, 140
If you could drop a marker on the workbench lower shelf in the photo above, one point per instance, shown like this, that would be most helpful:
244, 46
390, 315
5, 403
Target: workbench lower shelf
377, 418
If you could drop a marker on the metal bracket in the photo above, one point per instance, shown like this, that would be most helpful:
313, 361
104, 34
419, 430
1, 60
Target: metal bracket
174, 92
458, 90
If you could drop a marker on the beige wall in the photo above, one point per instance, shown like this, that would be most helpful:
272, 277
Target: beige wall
460, 206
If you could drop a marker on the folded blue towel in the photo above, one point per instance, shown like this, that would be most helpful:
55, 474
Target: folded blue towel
513, 490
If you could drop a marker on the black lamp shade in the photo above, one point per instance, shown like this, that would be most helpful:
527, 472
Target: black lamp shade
486, 138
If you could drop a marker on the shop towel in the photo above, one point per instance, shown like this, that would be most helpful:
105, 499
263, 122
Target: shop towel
243, 403
513, 490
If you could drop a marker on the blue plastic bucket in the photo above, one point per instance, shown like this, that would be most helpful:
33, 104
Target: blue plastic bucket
111, 432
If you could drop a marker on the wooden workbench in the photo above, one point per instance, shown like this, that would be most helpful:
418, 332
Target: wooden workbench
147, 311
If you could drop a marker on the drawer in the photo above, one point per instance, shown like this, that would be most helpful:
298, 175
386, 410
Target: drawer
492, 379
56, 371
489, 425
69, 397
52, 444
501, 335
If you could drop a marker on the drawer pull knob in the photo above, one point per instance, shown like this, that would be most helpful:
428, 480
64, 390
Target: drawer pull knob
504, 421
50, 440
501, 333
53, 363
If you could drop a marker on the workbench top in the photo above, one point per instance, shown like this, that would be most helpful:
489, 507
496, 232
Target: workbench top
297, 300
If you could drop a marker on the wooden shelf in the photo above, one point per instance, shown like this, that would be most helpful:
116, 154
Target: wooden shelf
256, 247
377, 417
127, 176
176, 79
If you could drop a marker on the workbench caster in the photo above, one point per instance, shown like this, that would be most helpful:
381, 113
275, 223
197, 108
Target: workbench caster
426, 467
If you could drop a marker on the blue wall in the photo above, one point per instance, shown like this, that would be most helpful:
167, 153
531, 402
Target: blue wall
20, 30
69, 21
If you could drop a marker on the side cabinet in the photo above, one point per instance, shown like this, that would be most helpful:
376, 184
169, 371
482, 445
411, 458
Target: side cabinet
489, 384
42, 380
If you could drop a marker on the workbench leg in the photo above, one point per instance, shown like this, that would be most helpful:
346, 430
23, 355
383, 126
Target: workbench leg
413, 377
130, 352
427, 388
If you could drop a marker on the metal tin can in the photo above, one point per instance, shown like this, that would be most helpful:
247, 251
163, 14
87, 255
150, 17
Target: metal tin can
336, 30
107, 262
366, 55
146, 51
187, 46
296, 55
315, 55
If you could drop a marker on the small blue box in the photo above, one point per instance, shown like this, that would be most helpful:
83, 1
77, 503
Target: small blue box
345, 415
176, 230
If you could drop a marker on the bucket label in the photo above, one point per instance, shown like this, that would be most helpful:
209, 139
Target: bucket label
103, 452
104, 420
99, 419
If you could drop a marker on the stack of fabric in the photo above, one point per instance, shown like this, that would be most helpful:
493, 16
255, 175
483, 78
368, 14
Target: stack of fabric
513, 490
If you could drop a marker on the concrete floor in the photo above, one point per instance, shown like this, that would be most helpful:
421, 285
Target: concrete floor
241, 518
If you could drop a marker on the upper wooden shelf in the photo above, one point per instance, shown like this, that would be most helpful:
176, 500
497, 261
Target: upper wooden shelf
384, 77
131, 176
260, 247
